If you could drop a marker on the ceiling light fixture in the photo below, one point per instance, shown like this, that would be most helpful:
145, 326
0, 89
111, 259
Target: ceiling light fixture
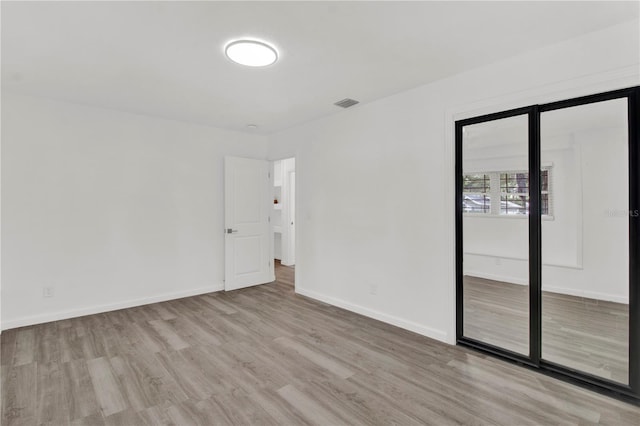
251, 53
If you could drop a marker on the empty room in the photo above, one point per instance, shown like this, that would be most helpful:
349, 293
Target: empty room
327, 213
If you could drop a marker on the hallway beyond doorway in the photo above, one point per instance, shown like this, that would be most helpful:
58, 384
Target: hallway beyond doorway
285, 274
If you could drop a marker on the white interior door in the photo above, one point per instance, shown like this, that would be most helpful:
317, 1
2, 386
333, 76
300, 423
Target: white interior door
247, 199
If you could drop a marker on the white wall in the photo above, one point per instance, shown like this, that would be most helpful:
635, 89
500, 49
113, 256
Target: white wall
112, 209
375, 182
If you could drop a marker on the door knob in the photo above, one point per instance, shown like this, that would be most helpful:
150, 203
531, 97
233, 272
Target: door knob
231, 231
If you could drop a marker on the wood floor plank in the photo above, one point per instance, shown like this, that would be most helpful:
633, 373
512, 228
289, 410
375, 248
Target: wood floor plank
106, 387
210, 412
195, 332
219, 305
145, 382
51, 404
93, 420
19, 401
92, 344
240, 409
186, 374
127, 417
207, 363
8, 347
278, 408
156, 416
168, 335
70, 344
182, 416
314, 412
25, 346
321, 360
79, 391
361, 408
164, 311
144, 333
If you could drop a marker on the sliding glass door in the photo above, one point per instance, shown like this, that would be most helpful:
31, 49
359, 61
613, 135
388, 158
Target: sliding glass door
548, 238
585, 241
495, 205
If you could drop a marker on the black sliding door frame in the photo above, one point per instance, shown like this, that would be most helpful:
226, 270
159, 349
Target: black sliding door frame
630, 392
533, 328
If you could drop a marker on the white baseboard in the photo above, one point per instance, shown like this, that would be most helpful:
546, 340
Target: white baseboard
380, 316
97, 309
510, 280
553, 289
588, 294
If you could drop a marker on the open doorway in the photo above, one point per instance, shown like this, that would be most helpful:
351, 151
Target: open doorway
284, 220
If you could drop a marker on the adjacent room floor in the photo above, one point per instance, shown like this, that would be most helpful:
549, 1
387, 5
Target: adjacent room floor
585, 334
265, 355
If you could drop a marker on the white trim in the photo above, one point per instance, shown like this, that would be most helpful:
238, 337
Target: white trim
97, 309
501, 278
505, 216
553, 289
296, 272
524, 259
587, 294
380, 316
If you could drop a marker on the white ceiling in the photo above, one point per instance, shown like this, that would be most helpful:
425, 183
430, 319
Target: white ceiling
166, 58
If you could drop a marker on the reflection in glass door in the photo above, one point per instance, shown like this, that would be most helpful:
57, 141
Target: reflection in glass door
548, 238
585, 239
495, 207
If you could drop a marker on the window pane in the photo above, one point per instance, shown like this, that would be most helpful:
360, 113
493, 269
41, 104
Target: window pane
544, 180
514, 204
476, 183
476, 203
544, 203
514, 182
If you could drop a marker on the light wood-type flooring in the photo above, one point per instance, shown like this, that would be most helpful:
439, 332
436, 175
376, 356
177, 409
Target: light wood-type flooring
584, 334
265, 355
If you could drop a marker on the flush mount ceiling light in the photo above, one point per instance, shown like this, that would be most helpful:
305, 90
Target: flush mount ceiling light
251, 53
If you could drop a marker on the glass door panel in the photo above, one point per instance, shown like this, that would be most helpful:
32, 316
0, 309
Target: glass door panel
585, 238
495, 208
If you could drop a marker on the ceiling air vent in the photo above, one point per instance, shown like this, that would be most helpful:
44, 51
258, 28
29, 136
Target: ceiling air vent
346, 103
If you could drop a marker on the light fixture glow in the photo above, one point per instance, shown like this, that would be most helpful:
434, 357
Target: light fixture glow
251, 53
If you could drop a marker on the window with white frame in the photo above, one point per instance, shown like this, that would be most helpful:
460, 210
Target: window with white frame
509, 191
476, 193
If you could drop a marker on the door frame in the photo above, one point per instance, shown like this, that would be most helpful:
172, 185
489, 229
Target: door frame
291, 190
630, 392
295, 207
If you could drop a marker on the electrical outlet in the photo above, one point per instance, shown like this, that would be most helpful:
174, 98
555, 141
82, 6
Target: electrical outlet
47, 291
373, 289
